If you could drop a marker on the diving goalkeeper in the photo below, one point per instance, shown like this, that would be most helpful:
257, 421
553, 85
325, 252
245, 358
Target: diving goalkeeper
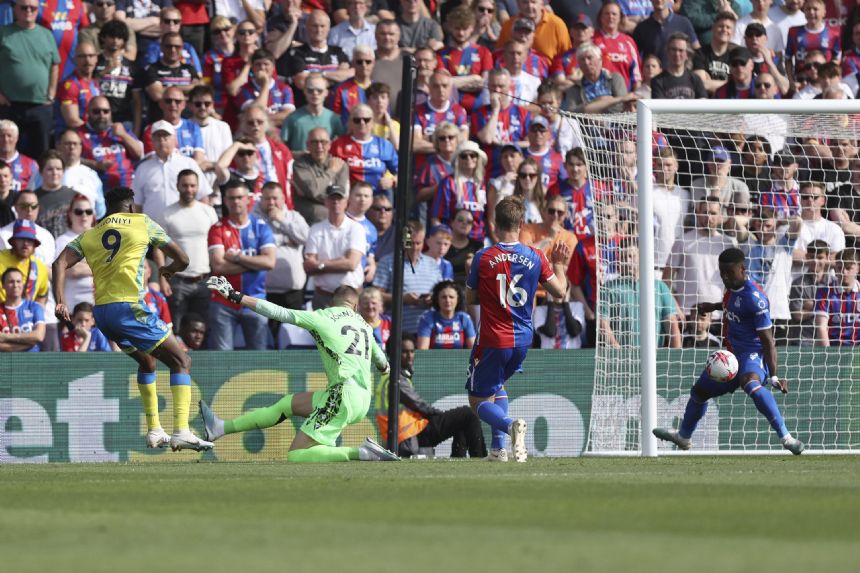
347, 347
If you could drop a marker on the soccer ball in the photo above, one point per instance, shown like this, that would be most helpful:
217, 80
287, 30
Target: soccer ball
721, 366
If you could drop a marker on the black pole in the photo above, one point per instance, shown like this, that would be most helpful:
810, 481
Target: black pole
401, 208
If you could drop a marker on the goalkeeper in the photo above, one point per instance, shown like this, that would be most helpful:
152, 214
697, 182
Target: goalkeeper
347, 347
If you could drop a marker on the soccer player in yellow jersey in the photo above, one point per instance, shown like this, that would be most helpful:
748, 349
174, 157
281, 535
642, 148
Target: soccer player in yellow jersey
115, 250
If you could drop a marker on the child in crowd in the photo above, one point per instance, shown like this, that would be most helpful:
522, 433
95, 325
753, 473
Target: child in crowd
84, 336
438, 242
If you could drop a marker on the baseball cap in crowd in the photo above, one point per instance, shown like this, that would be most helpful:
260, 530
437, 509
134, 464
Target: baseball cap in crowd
582, 20
739, 55
719, 153
539, 120
755, 29
332, 190
24, 229
441, 228
162, 125
524, 25
510, 147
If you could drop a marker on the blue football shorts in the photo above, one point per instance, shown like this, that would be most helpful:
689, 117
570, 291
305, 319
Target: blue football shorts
131, 325
748, 362
490, 368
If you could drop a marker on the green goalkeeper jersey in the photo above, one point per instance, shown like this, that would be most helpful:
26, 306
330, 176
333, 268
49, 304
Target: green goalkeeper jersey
344, 339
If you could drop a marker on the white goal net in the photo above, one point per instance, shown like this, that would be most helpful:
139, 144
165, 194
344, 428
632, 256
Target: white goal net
782, 187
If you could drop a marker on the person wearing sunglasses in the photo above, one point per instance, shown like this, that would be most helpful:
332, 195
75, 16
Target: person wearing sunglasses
80, 216
189, 139
222, 33
351, 92
170, 69
107, 147
216, 134
763, 53
741, 82
370, 158
487, 27
436, 166
170, 21
465, 187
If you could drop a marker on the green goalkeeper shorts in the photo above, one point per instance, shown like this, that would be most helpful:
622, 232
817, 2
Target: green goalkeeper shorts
335, 408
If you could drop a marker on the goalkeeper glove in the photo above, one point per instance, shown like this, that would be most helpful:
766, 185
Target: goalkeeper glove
386, 370
225, 289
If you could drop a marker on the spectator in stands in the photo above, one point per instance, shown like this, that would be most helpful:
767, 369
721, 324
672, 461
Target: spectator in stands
253, 11
551, 35
703, 14
565, 70
754, 169
83, 334
240, 162
620, 53
76, 91
416, 29
316, 55
370, 307
285, 23
28, 85
103, 12
23, 168
671, 204
445, 325
141, 17
763, 57
692, 269
741, 82
381, 214
192, 331
352, 92
677, 81
464, 188
784, 194
155, 181
275, 161
355, 30
334, 249
621, 325
54, 197
170, 22
215, 134
759, 16
578, 190
565, 133
540, 150
265, 89
370, 158
7, 215
195, 22
313, 114
314, 171
384, 127
22, 321
535, 63
437, 109
78, 176
717, 181
421, 425
699, 333
116, 73
816, 274
22, 255
286, 282
188, 222
425, 65
844, 205
653, 34
463, 246
237, 69
817, 33
189, 138
837, 306
169, 71
80, 217
711, 61
766, 87
468, 63
530, 188
153, 299
651, 68
242, 248
599, 90
487, 27
501, 121
26, 206
358, 203
438, 244
815, 226
524, 84
501, 186
222, 35
420, 274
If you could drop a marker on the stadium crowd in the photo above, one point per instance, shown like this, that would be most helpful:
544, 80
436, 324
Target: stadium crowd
262, 137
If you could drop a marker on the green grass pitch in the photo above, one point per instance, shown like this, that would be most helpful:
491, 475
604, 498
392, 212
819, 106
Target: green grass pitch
684, 514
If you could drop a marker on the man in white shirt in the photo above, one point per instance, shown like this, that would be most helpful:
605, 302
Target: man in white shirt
155, 178
671, 202
812, 200
187, 222
77, 175
334, 249
787, 16
217, 135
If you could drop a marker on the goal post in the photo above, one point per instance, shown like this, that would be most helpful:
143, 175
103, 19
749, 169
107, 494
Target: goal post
637, 385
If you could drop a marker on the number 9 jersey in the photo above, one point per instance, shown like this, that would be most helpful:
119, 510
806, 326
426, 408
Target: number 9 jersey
505, 277
116, 251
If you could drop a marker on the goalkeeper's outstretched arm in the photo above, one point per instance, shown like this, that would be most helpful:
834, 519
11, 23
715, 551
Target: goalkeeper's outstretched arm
268, 309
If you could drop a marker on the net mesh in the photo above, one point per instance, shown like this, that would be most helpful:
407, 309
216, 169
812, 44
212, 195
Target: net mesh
719, 181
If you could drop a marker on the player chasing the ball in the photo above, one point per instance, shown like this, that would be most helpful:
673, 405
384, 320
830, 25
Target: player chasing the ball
115, 250
347, 348
748, 329
504, 278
